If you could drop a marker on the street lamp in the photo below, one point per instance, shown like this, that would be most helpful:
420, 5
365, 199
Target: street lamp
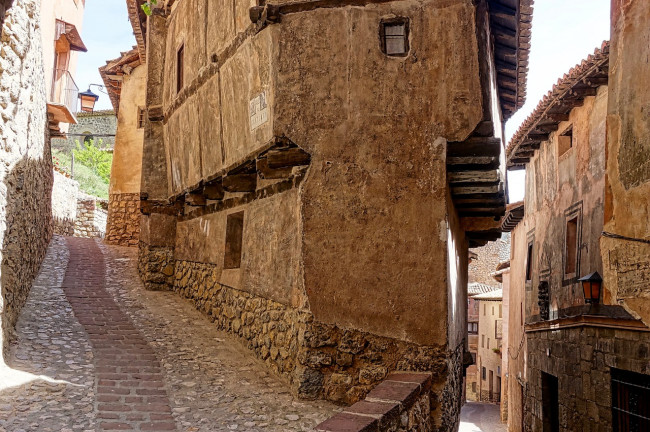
591, 287
88, 98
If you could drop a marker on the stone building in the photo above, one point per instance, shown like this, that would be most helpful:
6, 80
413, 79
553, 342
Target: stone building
97, 126
490, 333
314, 173
26, 169
125, 81
585, 365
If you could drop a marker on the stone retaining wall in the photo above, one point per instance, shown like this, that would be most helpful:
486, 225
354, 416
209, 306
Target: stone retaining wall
91, 218
320, 360
123, 225
401, 403
64, 204
156, 267
581, 358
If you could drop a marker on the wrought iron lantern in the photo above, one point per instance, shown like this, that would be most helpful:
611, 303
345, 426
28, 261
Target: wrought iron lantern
591, 287
88, 100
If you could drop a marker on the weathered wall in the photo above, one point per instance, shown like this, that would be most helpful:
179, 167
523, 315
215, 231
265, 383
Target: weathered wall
556, 184
101, 124
581, 359
490, 315
627, 262
90, 221
489, 257
26, 171
64, 204
123, 226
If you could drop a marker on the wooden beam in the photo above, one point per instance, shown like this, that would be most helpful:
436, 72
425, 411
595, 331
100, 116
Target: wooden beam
240, 183
557, 116
196, 199
272, 174
475, 146
283, 158
489, 177
214, 190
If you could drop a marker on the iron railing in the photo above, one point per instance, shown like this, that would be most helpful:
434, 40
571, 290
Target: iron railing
64, 90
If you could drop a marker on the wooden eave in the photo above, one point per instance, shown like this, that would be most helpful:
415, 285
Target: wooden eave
139, 23
568, 93
510, 25
515, 213
113, 71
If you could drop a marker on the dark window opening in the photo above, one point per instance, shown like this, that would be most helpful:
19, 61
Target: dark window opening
571, 247
141, 114
89, 139
565, 141
483, 373
529, 263
550, 403
179, 68
472, 327
394, 36
234, 235
630, 401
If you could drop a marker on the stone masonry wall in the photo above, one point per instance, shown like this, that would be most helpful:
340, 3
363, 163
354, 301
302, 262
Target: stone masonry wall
581, 359
123, 224
91, 218
156, 267
26, 169
101, 124
320, 360
64, 204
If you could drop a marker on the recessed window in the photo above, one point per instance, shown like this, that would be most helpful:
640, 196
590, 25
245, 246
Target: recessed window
529, 263
484, 309
488, 343
394, 36
565, 141
483, 374
571, 245
234, 235
550, 403
630, 401
180, 59
472, 327
500, 311
141, 112
482, 341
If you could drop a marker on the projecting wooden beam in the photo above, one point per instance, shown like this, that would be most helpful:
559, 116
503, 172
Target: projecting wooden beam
272, 174
489, 177
547, 128
538, 137
557, 116
283, 158
475, 146
214, 191
583, 91
462, 163
240, 183
195, 199
461, 190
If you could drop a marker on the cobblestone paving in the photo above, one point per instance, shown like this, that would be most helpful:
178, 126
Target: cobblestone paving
138, 361
50, 383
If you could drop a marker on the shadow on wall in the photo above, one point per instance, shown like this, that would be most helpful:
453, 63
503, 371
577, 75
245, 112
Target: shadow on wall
28, 219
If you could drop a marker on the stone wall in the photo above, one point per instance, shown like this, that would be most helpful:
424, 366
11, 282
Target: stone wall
123, 224
156, 267
581, 359
91, 218
100, 124
64, 204
487, 260
26, 169
321, 360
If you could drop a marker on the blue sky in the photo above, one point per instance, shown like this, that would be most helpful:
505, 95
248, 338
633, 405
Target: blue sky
564, 32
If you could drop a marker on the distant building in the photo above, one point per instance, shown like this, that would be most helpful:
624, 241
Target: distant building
490, 334
99, 126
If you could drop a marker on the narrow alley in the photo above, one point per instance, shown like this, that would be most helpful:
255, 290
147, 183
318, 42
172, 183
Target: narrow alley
95, 351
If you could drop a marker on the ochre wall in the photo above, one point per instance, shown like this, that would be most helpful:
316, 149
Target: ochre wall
373, 201
627, 263
554, 184
127, 155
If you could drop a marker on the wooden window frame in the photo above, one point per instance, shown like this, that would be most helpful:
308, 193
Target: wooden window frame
233, 245
565, 141
572, 213
388, 22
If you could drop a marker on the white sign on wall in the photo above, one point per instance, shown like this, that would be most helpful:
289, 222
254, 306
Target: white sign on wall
259, 111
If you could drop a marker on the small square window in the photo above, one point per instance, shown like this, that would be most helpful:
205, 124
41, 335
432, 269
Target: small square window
394, 36
141, 113
565, 141
234, 237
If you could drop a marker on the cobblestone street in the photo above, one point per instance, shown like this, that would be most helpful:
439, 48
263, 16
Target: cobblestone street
94, 351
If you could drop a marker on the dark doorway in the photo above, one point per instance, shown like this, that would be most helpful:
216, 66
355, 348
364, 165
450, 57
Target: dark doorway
630, 401
550, 403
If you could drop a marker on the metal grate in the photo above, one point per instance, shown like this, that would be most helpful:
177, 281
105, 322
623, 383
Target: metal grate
630, 401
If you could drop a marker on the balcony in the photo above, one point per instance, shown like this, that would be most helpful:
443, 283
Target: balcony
62, 100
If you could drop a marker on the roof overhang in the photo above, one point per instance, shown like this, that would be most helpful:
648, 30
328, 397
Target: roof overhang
139, 23
511, 25
70, 33
114, 71
569, 92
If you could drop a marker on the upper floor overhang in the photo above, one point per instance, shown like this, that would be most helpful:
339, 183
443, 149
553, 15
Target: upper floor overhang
139, 23
69, 33
114, 70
